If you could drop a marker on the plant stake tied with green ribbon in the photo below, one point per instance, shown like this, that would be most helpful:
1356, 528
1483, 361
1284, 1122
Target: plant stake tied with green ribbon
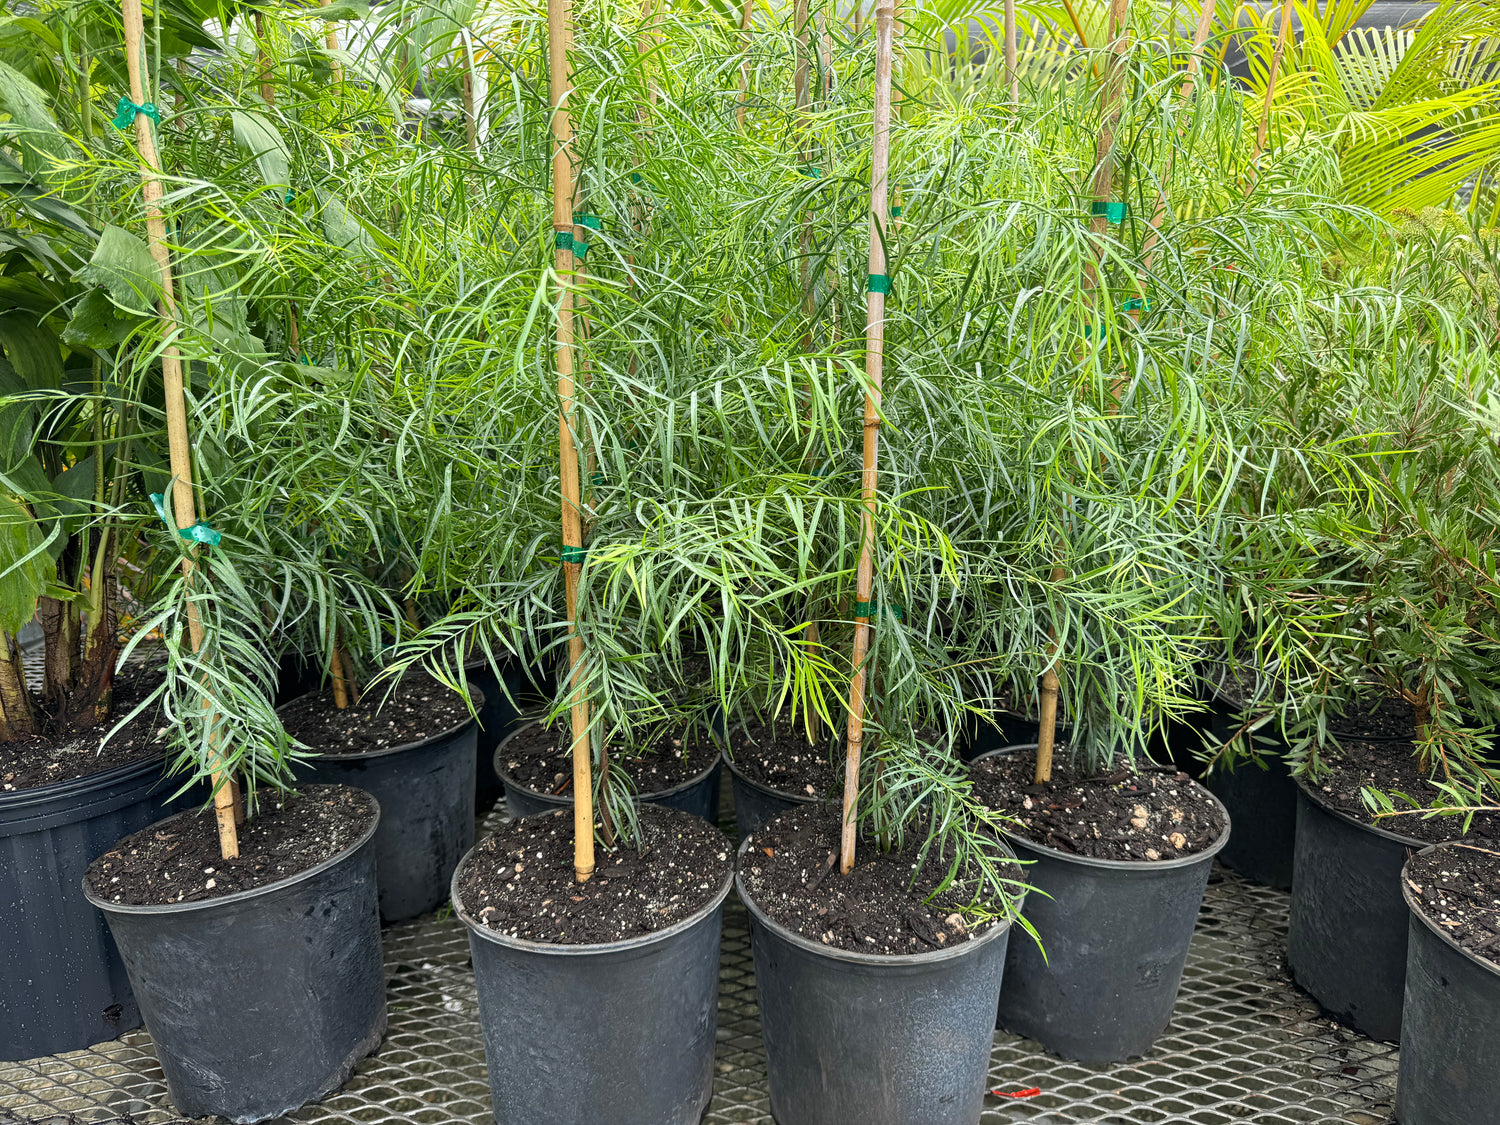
879, 289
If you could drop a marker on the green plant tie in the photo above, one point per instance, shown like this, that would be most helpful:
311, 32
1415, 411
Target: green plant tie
562, 239
896, 212
290, 195
574, 554
200, 532
880, 283
302, 359
1113, 212
1137, 303
597, 478
812, 172
126, 111
583, 219
580, 249
869, 609
1088, 330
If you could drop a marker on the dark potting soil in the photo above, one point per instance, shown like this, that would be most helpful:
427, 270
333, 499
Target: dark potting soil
1459, 889
779, 757
520, 881
1147, 813
1390, 718
26, 763
541, 759
1392, 767
790, 871
418, 708
178, 860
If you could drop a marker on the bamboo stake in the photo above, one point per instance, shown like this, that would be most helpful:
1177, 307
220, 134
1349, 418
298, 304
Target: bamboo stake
885, 19
739, 106
1263, 132
331, 41
559, 44
179, 449
471, 114
1010, 51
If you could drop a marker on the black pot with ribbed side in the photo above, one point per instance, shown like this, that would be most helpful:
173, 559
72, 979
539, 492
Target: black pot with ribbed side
854, 1037
755, 803
698, 795
426, 795
1450, 1030
621, 1032
62, 983
1346, 944
1116, 936
262, 1001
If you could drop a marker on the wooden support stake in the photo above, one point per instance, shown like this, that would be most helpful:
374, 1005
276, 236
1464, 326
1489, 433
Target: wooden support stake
885, 20
1264, 131
471, 112
739, 106
559, 44
179, 449
1010, 52
331, 41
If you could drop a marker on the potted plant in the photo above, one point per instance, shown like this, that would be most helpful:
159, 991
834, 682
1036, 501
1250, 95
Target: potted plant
207, 910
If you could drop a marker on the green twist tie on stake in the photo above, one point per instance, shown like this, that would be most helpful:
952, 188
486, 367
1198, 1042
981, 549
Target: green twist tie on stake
580, 249
880, 283
1136, 303
811, 172
863, 609
583, 219
302, 359
597, 478
562, 239
871, 608
635, 178
126, 112
200, 532
896, 212
574, 554
1113, 212
1088, 331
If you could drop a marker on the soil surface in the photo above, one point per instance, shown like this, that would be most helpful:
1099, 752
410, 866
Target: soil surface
780, 757
1144, 813
790, 871
26, 763
1391, 767
417, 709
541, 759
1459, 889
520, 881
1390, 718
179, 861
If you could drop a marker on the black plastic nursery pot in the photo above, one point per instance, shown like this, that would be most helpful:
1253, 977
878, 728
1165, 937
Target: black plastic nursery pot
755, 803
1010, 728
620, 1032
698, 795
426, 795
262, 1001
1450, 1032
62, 983
1262, 804
877, 1040
1346, 944
1116, 936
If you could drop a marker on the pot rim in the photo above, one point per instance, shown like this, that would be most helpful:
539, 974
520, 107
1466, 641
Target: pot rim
798, 798
16, 800
555, 950
1384, 833
366, 755
567, 801
892, 960
1417, 912
1134, 866
238, 896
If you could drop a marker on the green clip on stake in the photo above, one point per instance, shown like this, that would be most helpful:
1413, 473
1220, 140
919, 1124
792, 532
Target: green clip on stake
868, 609
562, 239
574, 554
1136, 304
1113, 212
588, 222
880, 283
200, 532
126, 111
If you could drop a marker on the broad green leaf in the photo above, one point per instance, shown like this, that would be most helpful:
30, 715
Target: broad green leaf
343, 10
123, 265
98, 323
31, 122
344, 230
33, 350
17, 419
258, 136
25, 565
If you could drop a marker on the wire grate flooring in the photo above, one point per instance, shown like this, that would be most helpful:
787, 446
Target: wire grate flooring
1244, 1045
